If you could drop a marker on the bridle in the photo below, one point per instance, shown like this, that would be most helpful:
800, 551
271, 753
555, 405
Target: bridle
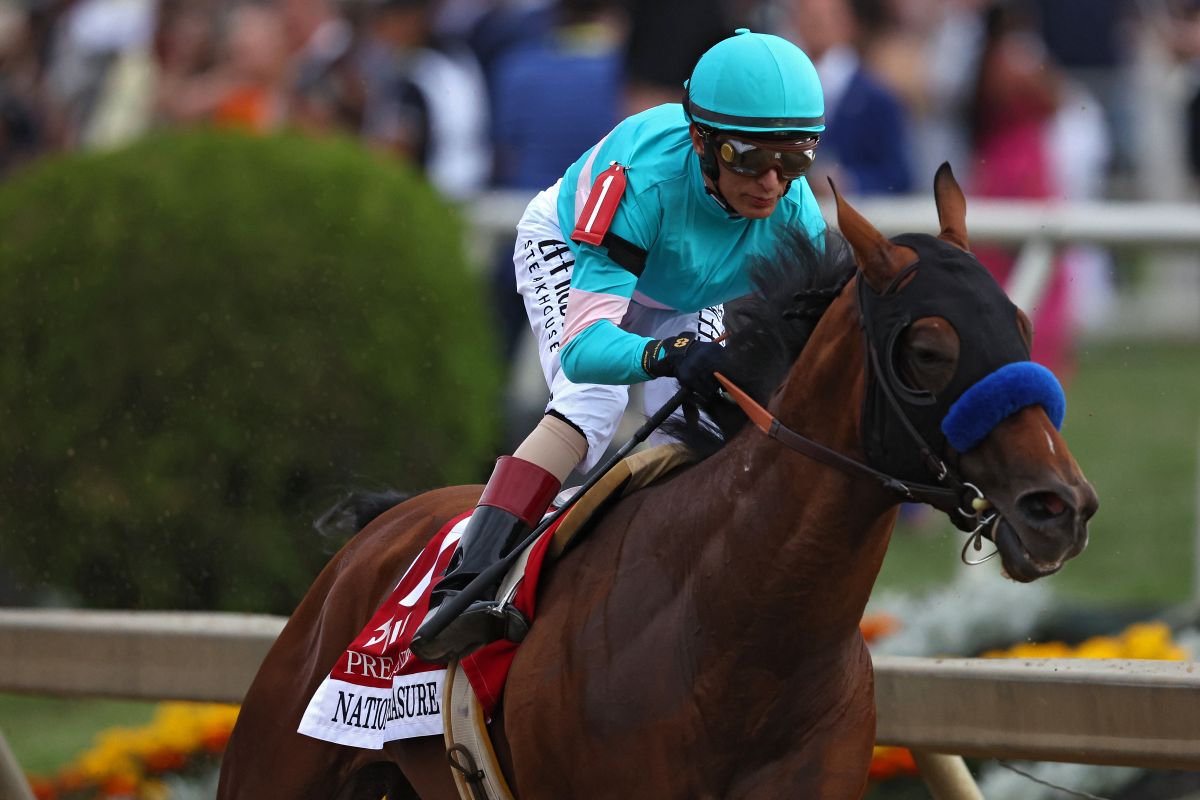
961, 500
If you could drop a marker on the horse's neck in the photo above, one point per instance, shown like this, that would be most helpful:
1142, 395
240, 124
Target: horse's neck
805, 541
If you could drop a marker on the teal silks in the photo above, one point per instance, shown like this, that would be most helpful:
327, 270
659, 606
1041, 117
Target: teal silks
756, 82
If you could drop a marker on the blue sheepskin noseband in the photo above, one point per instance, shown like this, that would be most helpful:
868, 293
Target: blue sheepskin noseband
999, 395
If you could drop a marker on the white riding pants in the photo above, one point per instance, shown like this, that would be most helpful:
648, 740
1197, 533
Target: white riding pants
544, 264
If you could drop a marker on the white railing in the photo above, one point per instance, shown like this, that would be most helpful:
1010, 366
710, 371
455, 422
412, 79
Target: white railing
1168, 304
1131, 713
1004, 221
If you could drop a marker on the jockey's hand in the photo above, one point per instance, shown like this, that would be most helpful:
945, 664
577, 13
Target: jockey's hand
690, 360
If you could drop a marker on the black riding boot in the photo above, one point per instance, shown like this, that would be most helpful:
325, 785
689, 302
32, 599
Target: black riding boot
514, 499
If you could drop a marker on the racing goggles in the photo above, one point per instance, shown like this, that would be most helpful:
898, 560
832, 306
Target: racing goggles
753, 158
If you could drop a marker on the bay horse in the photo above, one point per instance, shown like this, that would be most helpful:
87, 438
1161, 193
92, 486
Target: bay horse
704, 642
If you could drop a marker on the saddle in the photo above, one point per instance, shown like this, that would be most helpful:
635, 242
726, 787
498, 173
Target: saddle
476, 771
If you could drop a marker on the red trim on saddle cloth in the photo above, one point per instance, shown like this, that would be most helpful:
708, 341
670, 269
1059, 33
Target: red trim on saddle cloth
521, 488
487, 668
378, 691
381, 652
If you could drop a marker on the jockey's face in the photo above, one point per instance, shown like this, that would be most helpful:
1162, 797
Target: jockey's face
751, 196
754, 197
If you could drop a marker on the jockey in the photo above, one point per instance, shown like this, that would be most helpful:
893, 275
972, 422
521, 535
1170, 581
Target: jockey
624, 265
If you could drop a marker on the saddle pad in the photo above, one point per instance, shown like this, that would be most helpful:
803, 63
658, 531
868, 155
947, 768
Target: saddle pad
487, 669
378, 691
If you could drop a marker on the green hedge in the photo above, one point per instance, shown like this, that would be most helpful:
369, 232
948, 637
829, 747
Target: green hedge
202, 339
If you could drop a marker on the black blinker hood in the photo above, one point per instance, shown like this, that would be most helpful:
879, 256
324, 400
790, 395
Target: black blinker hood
903, 432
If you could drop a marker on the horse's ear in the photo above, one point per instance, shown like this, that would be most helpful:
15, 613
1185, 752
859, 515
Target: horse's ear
951, 207
879, 259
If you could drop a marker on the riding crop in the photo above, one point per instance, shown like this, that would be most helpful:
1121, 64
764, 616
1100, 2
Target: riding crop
455, 605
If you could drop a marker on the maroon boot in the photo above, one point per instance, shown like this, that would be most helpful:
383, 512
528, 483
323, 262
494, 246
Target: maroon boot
514, 500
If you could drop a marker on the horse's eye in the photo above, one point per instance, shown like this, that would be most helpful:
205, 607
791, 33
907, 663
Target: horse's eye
927, 357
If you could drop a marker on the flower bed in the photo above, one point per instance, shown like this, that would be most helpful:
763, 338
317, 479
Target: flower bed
188, 738
132, 763
1143, 640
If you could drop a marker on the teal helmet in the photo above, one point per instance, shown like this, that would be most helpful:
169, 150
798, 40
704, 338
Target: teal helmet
755, 82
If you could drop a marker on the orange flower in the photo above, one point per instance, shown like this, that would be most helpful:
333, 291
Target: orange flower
876, 626
120, 785
72, 779
42, 788
214, 740
164, 759
888, 762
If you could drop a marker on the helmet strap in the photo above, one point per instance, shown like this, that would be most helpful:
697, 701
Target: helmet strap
708, 152
708, 161
715, 193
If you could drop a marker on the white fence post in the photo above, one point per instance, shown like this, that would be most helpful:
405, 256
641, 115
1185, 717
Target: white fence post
946, 776
1196, 538
13, 785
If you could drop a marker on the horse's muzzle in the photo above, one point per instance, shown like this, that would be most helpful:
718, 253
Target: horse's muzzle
1046, 527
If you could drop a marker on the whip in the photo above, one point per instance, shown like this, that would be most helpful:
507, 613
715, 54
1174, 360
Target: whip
455, 605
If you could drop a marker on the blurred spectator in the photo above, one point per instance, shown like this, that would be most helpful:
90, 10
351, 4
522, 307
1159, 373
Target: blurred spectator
327, 91
553, 100
1087, 40
1178, 25
492, 29
246, 88
557, 97
21, 135
865, 147
426, 101
1017, 97
185, 42
99, 73
927, 52
666, 38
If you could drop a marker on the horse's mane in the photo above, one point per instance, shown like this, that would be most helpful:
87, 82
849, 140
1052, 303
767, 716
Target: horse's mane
767, 329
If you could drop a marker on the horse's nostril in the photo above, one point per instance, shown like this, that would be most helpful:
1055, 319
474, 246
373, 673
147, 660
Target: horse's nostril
1043, 506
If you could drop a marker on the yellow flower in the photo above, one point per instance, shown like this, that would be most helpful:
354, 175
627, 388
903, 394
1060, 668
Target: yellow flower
1143, 640
1148, 640
1100, 647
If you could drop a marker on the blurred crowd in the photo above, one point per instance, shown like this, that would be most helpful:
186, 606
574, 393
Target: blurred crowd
1078, 99
1027, 98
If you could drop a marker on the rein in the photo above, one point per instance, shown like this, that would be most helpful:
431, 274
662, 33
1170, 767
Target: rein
963, 498
962, 501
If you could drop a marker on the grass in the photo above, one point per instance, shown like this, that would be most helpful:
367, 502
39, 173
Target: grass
1133, 422
47, 732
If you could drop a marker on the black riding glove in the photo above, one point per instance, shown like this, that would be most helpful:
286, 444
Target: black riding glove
688, 359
